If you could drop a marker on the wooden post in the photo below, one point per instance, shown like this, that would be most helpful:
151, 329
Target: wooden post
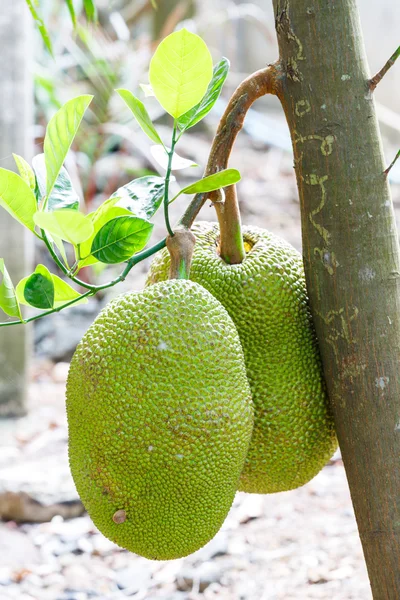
16, 118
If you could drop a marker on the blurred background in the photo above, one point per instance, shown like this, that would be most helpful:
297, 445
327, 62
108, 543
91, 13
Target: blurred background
297, 545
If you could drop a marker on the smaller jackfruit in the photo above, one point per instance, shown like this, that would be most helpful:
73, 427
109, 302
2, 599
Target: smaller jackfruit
266, 297
160, 418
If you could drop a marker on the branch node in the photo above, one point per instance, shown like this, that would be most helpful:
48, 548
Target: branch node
373, 82
180, 246
386, 171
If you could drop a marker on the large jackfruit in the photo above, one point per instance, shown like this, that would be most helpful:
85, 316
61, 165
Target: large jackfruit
266, 297
160, 419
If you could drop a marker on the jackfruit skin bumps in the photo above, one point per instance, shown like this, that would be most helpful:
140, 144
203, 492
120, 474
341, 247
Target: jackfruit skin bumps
293, 435
160, 419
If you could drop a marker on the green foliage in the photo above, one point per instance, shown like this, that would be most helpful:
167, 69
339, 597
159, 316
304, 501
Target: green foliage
71, 9
180, 72
26, 171
213, 182
69, 225
141, 115
43, 197
120, 238
60, 134
198, 112
142, 196
8, 299
38, 289
106, 212
33, 5
58, 290
40, 25
63, 194
17, 198
91, 10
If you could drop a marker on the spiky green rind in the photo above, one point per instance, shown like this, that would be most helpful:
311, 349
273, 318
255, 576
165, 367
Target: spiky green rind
266, 297
160, 419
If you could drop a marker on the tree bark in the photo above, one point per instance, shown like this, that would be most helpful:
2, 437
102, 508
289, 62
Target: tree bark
351, 259
16, 117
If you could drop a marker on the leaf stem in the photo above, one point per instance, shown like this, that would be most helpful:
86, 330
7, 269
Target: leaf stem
93, 289
167, 179
48, 312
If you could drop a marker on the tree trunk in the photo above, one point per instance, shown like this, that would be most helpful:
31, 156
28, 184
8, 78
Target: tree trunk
351, 259
16, 108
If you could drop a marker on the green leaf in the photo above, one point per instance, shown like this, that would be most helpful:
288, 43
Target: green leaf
147, 89
8, 299
26, 171
198, 112
63, 292
38, 289
160, 154
120, 238
106, 212
63, 194
60, 134
71, 9
17, 198
213, 182
69, 225
140, 113
90, 9
40, 25
180, 72
142, 196
60, 245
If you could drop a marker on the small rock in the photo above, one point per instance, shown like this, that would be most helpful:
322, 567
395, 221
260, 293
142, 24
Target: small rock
16, 549
198, 579
101, 545
133, 578
76, 578
251, 508
59, 372
175, 596
85, 545
218, 546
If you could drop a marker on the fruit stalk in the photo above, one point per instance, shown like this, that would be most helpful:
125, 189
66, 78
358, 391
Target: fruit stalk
260, 83
180, 247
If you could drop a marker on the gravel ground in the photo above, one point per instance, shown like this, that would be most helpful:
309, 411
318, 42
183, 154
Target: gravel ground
290, 546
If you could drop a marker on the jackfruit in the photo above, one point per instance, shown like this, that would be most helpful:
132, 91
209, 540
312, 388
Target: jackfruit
293, 435
160, 419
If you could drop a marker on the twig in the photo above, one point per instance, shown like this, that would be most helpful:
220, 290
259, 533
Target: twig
377, 78
258, 84
386, 171
93, 289
48, 312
